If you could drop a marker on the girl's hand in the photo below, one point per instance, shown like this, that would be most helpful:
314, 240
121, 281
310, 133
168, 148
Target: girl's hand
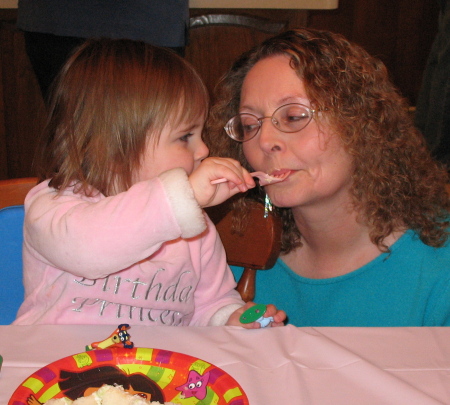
213, 168
279, 317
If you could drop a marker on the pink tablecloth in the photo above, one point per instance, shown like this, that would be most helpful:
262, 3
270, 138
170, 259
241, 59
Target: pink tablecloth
274, 366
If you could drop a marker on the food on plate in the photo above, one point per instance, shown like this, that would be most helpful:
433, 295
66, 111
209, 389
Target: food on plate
106, 395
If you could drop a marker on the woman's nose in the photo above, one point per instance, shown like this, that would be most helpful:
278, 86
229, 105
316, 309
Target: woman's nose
270, 137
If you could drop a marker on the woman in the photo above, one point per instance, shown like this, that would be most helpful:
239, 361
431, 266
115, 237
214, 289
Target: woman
364, 207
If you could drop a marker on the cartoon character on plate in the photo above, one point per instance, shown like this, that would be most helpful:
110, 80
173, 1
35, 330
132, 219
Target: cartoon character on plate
119, 338
78, 384
195, 385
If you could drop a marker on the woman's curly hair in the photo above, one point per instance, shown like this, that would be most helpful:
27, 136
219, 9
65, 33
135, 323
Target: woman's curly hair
396, 184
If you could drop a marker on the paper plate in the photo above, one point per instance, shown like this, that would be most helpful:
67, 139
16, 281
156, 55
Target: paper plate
180, 378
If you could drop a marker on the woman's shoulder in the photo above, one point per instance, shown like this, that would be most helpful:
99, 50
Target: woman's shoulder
411, 245
407, 256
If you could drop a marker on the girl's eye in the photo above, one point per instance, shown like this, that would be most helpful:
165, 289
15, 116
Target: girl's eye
185, 138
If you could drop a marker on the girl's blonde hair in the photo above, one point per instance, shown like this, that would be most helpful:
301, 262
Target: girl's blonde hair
106, 100
395, 182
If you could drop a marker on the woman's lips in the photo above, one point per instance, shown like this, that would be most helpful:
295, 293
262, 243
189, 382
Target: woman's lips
281, 173
276, 176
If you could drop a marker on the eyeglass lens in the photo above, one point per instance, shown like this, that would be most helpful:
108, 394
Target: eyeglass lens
288, 118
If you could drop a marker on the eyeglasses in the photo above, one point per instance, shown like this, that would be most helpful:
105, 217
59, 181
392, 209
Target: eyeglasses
288, 118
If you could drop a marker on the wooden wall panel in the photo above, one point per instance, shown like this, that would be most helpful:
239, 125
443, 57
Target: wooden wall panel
400, 32
3, 154
213, 48
23, 107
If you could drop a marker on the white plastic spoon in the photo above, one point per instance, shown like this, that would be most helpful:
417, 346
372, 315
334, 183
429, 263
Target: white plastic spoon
264, 178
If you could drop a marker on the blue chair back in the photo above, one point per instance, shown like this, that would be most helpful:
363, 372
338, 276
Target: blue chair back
11, 236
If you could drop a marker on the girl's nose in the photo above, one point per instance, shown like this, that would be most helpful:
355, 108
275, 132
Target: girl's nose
201, 151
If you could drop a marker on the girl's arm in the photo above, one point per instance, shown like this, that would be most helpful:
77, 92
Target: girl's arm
94, 237
215, 291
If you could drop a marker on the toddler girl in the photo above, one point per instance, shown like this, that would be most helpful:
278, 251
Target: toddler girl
115, 231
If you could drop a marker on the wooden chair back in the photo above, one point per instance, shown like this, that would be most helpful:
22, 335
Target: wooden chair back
255, 248
13, 191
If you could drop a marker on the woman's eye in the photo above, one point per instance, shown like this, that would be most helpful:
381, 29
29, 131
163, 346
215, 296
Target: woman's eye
296, 117
295, 114
250, 128
248, 124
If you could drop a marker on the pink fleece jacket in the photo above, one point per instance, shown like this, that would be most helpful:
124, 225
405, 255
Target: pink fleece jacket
147, 256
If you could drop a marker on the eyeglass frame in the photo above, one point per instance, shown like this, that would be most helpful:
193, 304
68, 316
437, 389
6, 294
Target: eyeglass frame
260, 121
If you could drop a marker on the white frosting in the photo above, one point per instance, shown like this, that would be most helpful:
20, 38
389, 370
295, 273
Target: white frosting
106, 395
